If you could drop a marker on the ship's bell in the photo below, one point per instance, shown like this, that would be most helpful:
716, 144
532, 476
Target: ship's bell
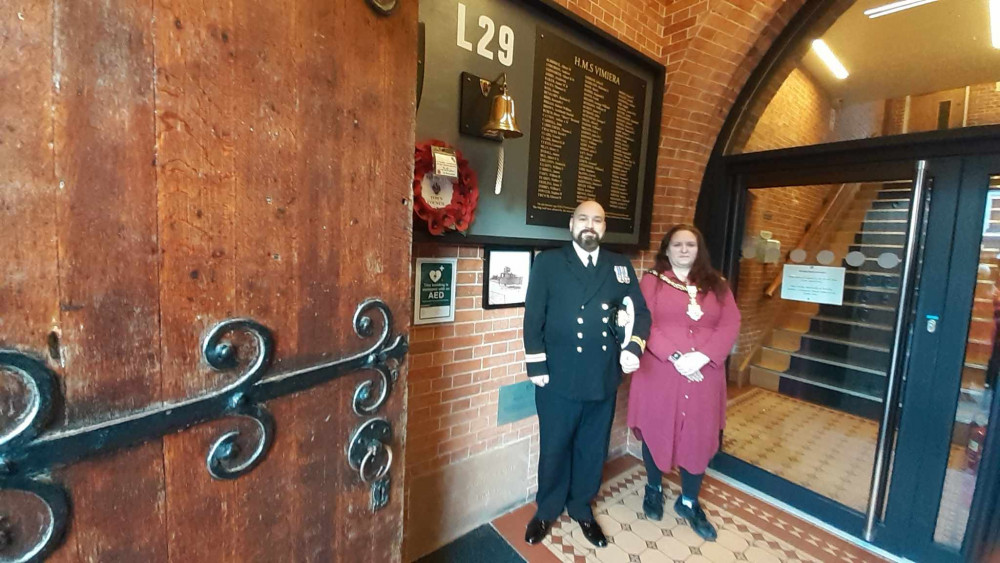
502, 123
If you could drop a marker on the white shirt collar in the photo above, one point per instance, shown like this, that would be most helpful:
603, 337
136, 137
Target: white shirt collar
583, 254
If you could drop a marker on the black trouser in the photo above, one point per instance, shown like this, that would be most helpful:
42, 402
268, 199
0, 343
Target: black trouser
573, 438
690, 482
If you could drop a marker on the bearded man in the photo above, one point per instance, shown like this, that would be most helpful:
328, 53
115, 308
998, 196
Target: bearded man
574, 359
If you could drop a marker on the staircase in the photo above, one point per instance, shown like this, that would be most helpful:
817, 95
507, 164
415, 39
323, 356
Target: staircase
838, 356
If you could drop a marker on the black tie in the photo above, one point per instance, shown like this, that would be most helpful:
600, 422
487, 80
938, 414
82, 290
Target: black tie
590, 263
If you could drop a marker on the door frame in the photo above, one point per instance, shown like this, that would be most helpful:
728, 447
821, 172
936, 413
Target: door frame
934, 392
952, 156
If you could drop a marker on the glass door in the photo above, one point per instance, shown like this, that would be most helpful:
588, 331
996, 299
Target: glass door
952, 385
820, 285
861, 386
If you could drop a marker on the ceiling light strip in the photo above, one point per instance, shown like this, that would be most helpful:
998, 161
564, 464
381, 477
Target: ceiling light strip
831, 60
895, 7
995, 22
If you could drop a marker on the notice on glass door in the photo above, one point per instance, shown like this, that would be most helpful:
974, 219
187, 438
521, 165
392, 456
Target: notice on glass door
813, 284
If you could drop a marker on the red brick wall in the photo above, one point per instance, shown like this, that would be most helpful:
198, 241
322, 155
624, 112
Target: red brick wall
709, 49
984, 104
799, 114
786, 212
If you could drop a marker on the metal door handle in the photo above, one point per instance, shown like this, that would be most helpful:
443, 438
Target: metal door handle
369, 452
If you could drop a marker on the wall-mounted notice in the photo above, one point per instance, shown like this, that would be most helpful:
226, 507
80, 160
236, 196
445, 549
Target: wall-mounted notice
813, 284
434, 291
587, 135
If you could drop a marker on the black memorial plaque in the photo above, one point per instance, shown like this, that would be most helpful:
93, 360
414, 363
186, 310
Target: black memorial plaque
587, 123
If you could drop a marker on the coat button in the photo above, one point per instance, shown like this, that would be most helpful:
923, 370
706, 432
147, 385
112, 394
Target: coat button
605, 333
685, 396
579, 349
579, 320
582, 306
605, 348
604, 306
604, 320
579, 335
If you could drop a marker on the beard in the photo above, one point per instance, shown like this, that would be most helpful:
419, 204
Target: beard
588, 239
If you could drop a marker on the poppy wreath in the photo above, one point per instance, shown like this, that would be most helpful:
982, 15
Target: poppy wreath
460, 212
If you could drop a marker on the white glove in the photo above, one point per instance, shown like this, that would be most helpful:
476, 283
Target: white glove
691, 362
695, 377
629, 362
540, 380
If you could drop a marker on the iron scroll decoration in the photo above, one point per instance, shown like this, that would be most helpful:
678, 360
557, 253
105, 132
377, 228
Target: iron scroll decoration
28, 453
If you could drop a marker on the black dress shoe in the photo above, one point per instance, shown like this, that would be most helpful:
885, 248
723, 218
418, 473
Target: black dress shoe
536, 530
592, 531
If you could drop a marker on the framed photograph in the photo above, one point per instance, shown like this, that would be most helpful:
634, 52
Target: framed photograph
434, 290
505, 276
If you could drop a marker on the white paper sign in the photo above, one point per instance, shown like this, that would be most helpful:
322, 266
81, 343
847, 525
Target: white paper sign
813, 284
445, 162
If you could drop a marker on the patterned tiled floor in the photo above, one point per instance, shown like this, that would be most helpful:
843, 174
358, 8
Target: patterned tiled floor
826, 450
830, 452
749, 530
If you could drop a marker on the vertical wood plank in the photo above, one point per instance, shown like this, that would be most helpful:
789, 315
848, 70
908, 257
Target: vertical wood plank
268, 211
29, 285
195, 186
357, 81
108, 266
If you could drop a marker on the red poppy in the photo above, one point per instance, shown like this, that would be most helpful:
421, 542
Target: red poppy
459, 213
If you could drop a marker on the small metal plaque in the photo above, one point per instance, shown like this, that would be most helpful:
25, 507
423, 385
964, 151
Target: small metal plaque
517, 401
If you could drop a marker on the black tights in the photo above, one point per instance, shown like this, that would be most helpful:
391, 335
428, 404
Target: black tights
690, 482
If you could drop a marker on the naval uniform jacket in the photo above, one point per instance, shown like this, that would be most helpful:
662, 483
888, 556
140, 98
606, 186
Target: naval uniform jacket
566, 322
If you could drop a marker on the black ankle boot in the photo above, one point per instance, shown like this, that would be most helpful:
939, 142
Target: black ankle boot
652, 503
696, 518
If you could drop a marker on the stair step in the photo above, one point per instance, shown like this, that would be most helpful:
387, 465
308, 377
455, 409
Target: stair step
849, 353
853, 331
887, 203
845, 342
879, 237
895, 193
807, 357
871, 295
883, 315
887, 280
816, 390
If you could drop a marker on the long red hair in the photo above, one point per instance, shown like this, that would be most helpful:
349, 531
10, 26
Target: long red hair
702, 274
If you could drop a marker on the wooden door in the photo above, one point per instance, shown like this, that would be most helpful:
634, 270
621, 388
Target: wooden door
164, 166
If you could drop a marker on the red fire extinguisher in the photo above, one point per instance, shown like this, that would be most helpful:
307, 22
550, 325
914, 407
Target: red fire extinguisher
974, 450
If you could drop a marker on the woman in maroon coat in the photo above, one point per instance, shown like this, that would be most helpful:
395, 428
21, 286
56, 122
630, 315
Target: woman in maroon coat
677, 402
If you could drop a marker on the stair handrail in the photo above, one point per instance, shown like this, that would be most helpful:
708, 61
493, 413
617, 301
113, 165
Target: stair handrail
845, 193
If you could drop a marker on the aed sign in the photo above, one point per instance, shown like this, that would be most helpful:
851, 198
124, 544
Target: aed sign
434, 290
